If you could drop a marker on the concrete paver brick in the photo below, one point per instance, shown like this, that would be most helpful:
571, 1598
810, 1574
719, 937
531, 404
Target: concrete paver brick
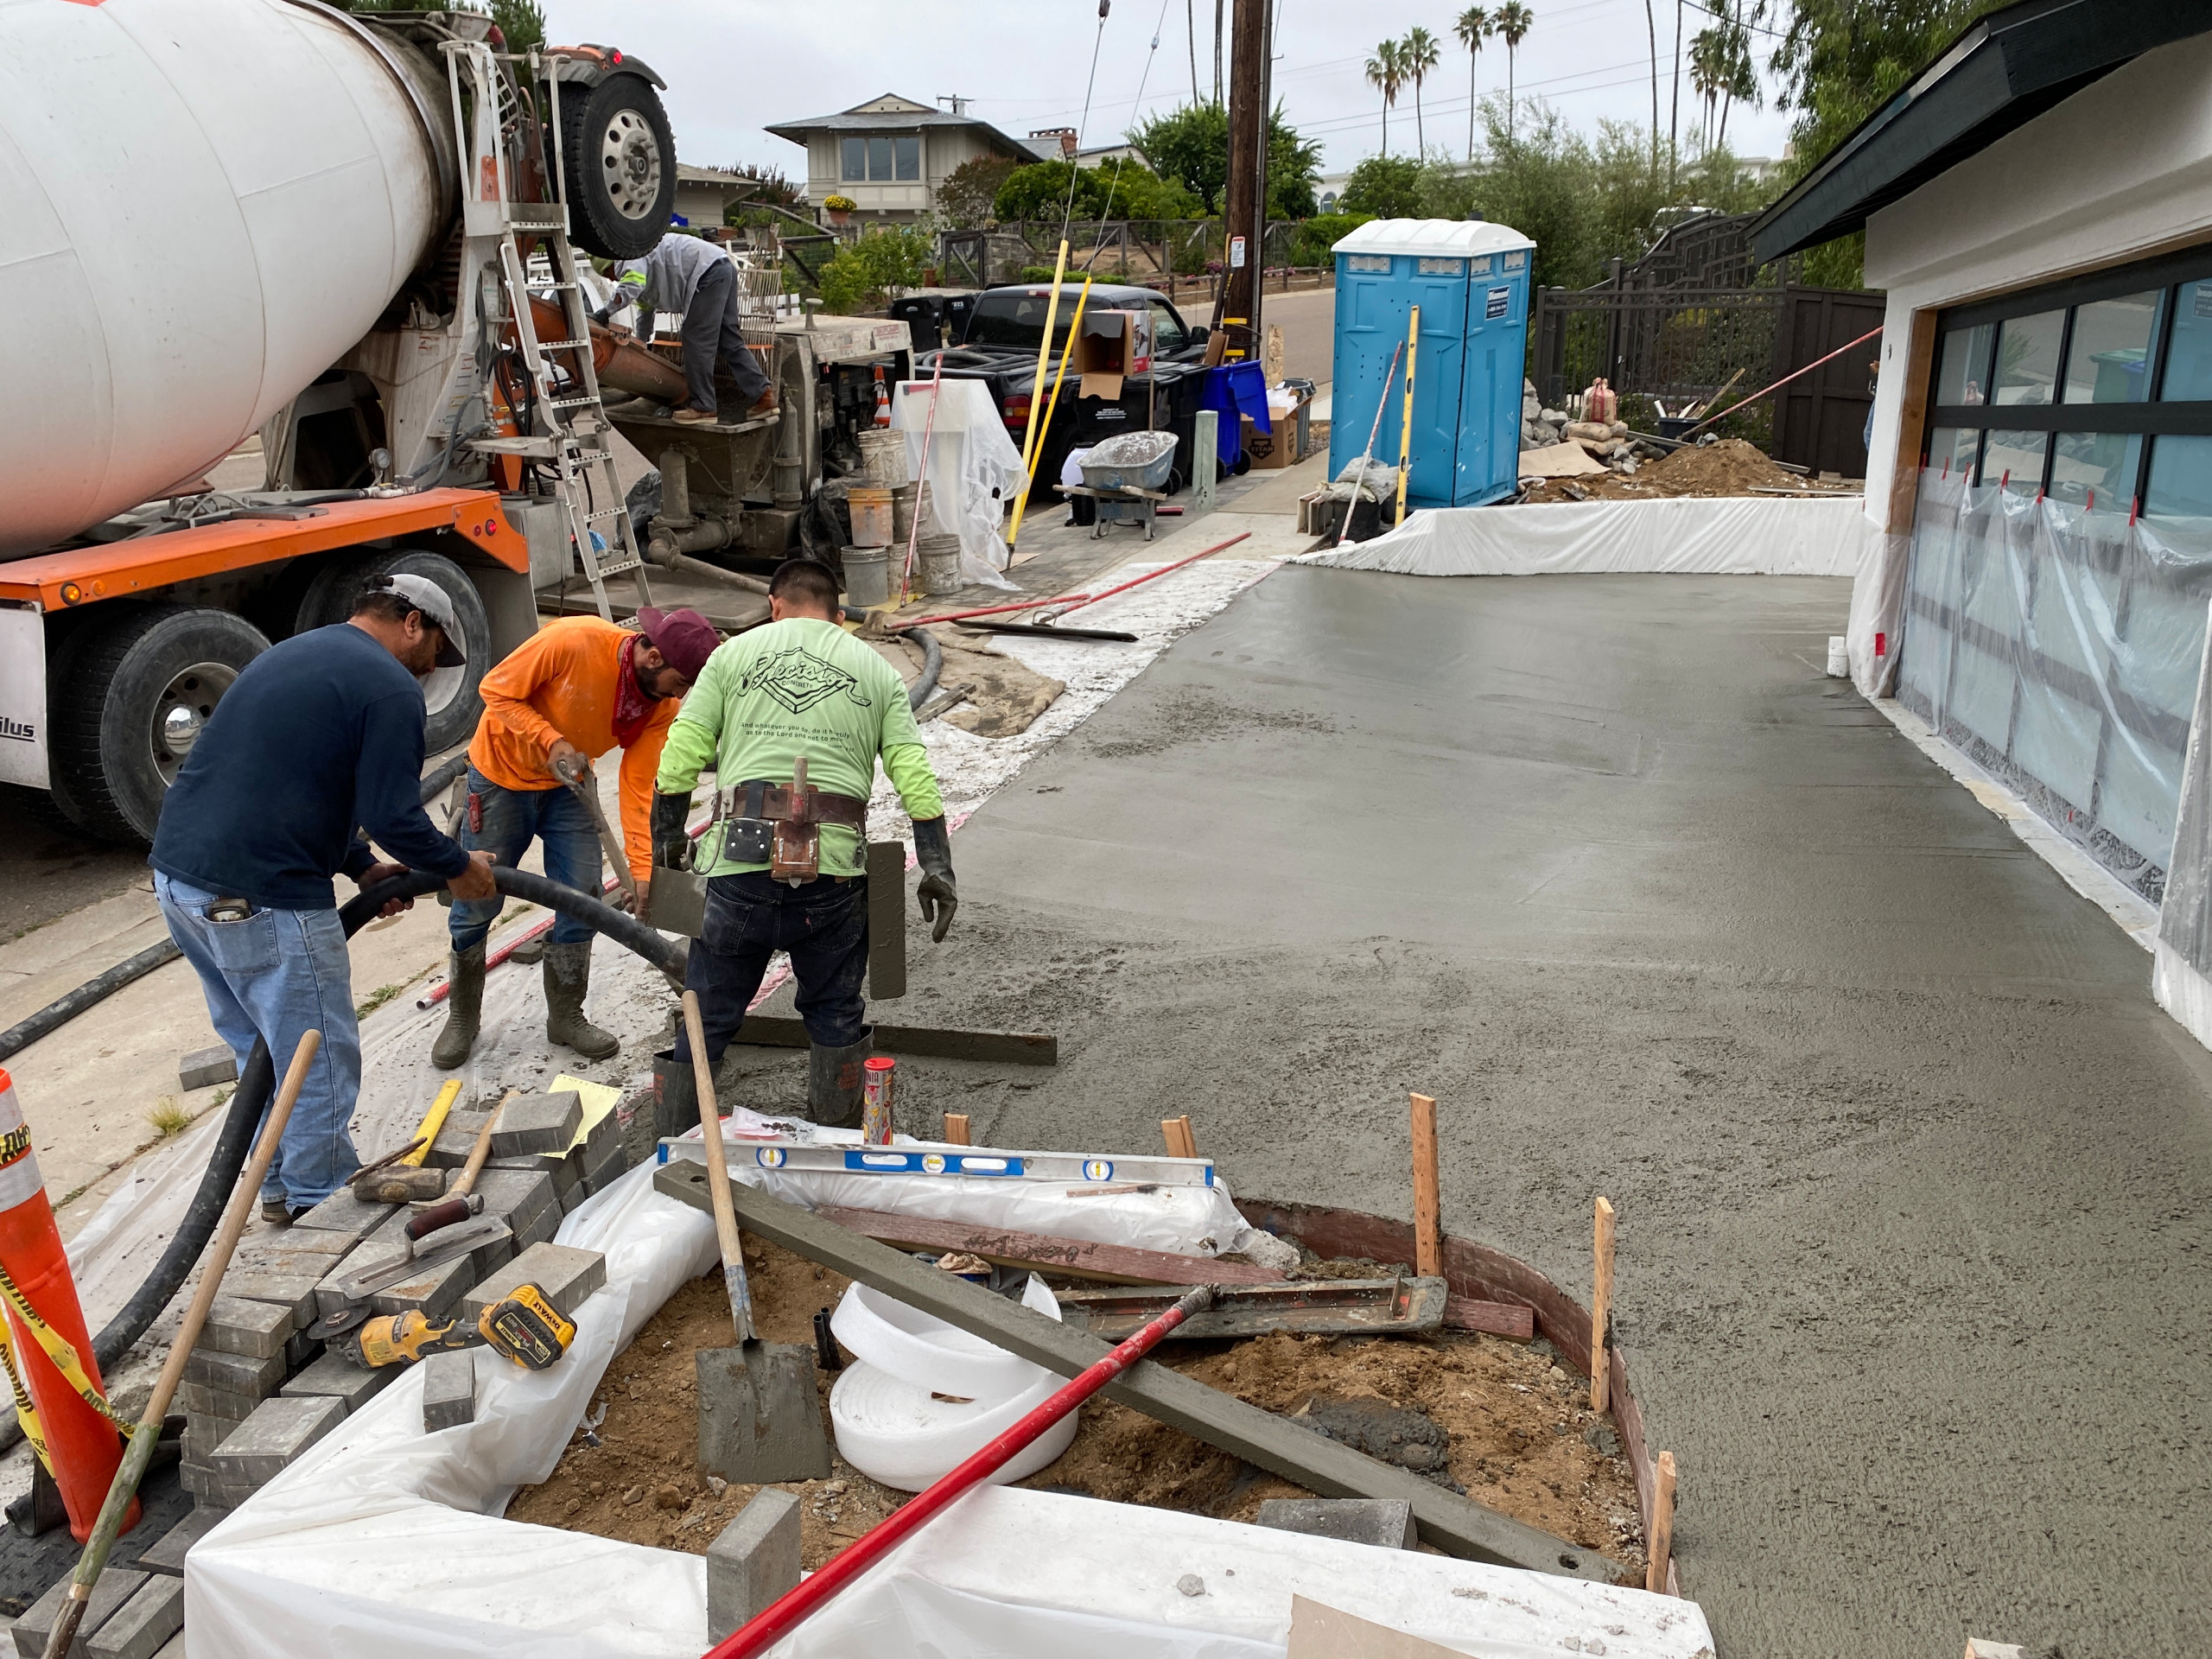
206, 1067
258, 1448
1386, 1521
755, 1560
566, 1274
142, 1625
334, 1377
448, 1389
539, 1123
256, 1378
117, 1586
237, 1324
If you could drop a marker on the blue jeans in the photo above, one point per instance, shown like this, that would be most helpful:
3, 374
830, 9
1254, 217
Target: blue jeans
821, 923
512, 818
273, 975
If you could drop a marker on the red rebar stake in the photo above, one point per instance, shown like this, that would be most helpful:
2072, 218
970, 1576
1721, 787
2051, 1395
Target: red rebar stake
792, 1608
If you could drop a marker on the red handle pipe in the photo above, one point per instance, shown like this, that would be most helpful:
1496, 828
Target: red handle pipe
792, 1608
1072, 601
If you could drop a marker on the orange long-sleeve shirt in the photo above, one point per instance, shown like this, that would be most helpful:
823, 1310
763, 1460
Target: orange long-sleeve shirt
560, 683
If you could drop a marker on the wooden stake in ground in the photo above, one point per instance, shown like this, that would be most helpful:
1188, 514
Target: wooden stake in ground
1601, 1308
1662, 1526
1176, 1131
140, 1450
956, 1130
1428, 1228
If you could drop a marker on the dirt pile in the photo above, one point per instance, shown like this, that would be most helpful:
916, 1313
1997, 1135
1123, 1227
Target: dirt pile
1508, 1426
1730, 467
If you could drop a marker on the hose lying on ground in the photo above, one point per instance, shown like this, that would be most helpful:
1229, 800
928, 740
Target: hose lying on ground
258, 1084
67, 1007
932, 665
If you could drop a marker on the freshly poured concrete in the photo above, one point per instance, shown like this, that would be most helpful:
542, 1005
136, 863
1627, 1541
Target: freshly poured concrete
1912, 1177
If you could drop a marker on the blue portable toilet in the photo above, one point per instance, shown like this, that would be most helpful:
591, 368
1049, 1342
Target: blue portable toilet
1470, 277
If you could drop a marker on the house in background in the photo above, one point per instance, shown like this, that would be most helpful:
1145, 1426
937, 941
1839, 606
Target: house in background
890, 154
703, 193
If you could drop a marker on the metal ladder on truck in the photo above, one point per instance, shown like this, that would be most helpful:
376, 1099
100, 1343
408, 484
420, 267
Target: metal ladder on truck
576, 441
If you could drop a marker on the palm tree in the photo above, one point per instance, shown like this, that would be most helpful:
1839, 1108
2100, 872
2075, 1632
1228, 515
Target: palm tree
1651, 28
1514, 21
1386, 73
1473, 28
1417, 55
1741, 78
1708, 73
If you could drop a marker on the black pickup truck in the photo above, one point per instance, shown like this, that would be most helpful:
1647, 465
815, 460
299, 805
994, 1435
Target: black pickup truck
994, 338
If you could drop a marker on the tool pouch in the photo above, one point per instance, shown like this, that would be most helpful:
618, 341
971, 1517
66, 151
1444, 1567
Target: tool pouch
797, 855
749, 841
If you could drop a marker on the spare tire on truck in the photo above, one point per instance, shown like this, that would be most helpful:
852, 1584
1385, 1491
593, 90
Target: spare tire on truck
451, 704
129, 696
618, 162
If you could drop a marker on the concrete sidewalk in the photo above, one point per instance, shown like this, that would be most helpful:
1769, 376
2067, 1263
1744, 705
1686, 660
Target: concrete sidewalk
1912, 1176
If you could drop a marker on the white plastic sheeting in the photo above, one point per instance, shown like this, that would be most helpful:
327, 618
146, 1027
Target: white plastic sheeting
2059, 648
383, 1540
206, 206
974, 469
2181, 971
1745, 536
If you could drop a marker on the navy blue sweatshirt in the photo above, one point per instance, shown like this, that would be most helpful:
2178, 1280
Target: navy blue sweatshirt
319, 735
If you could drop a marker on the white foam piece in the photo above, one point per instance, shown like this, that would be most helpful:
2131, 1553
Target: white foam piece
923, 1351
901, 1435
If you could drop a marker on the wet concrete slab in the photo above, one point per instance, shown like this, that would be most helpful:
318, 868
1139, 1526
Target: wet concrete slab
1912, 1176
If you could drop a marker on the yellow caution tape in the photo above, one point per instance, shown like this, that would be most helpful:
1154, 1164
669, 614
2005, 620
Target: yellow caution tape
26, 1413
59, 1351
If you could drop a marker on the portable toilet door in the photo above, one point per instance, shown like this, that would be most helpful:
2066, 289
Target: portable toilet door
1489, 462
1386, 267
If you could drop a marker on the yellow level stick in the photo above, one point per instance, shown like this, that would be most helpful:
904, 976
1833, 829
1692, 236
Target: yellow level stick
1074, 328
1406, 421
432, 1120
1043, 356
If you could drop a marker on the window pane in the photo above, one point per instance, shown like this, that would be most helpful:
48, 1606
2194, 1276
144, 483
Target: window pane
910, 157
1951, 449
2181, 475
2095, 469
1963, 376
1167, 336
856, 158
2027, 358
2015, 460
2188, 359
2110, 359
878, 158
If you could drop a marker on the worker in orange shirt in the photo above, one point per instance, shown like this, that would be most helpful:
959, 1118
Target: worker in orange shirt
577, 688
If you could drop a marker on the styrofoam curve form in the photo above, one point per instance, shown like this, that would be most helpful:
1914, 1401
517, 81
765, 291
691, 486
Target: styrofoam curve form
890, 1412
206, 206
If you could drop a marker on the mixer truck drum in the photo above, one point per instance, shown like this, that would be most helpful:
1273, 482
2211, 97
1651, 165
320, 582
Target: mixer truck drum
617, 158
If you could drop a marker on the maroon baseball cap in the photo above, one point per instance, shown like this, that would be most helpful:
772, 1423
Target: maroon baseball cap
684, 638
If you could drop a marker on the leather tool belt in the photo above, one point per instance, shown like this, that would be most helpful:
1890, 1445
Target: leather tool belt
782, 826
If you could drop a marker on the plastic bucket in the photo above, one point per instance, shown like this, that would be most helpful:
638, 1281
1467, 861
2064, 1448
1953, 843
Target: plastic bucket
939, 559
872, 518
883, 458
1839, 657
867, 576
903, 498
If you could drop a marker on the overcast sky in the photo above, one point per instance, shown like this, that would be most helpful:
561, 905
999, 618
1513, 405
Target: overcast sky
733, 66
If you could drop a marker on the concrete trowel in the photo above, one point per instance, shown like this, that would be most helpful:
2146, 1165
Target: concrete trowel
760, 1418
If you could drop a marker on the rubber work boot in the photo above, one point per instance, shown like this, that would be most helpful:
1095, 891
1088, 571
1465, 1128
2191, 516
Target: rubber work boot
567, 976
464, 1007
834, 1083
676, 1095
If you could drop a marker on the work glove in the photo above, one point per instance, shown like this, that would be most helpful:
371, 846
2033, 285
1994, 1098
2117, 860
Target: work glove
936, 894
670, 844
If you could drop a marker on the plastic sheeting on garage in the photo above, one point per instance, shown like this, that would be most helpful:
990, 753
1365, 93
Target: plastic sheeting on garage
2059, 648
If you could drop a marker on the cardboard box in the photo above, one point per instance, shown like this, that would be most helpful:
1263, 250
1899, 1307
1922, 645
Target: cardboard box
1111, 346
1286, 446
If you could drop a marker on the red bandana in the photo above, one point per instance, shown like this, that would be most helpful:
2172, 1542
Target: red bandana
632, 708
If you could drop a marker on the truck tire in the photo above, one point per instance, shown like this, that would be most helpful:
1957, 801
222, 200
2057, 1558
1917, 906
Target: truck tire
136, 695
618, 155
451, 705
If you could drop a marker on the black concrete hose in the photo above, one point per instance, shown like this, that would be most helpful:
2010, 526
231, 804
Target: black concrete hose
259, 1083
932, 665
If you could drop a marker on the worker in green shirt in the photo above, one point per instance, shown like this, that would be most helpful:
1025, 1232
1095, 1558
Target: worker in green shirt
793, 716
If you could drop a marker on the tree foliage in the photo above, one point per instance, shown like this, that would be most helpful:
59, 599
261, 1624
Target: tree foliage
863, 273
1189, 145
1384, 187
1114, 190
970, 191
765, 186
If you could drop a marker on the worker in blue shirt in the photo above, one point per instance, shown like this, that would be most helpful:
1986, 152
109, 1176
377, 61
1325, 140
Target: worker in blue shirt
320, 734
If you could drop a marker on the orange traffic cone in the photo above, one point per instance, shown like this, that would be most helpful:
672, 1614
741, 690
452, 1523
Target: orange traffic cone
51, 1349
882, 399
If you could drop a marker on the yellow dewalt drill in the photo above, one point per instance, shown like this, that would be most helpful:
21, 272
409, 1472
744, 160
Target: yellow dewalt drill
525, 1328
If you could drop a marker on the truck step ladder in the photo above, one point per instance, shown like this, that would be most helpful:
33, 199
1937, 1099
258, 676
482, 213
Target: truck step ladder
574, 435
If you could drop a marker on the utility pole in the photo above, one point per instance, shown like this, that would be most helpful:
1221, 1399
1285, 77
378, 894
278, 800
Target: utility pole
1216, 50
1244, 200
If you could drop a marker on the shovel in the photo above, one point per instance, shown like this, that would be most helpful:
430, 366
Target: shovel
760, 1418
581, 784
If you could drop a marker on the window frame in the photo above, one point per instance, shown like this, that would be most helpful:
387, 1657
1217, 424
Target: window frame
2149, 418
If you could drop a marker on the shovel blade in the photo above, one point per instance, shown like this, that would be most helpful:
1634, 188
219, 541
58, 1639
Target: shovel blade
760, 1416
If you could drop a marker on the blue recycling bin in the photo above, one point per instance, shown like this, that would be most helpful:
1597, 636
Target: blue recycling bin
1470, 277
1235, 390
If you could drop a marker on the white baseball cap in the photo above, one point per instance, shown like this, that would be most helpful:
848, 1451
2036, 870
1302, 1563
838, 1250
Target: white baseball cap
431, 599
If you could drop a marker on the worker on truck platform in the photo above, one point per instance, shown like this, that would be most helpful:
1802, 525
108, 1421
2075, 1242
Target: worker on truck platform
799, 696
321, 733
577, 688
693, 276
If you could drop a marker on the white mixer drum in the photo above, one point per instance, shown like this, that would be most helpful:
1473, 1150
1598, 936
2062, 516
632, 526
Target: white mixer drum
202, 208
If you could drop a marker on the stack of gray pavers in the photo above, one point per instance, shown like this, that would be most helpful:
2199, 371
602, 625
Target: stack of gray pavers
547, 1134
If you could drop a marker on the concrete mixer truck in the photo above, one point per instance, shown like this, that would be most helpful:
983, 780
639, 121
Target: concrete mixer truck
356, 233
